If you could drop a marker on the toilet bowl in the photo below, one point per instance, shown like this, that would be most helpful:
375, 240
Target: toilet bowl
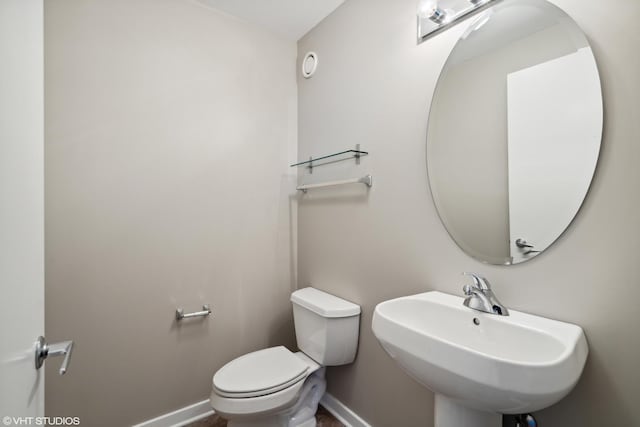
276, 387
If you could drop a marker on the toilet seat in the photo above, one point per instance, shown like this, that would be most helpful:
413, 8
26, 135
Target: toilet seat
231, 395
229, 407
260, 373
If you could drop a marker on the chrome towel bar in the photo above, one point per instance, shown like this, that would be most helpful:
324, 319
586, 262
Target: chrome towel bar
366, 180
180, 314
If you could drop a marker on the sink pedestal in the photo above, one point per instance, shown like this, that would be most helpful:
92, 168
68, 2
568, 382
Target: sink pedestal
449, 413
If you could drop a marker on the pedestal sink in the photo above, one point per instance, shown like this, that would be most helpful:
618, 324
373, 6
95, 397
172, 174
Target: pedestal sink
480, 365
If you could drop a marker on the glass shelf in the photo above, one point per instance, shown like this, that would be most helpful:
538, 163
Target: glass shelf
357, 153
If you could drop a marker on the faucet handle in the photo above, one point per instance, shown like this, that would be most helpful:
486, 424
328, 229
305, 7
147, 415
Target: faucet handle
478, 281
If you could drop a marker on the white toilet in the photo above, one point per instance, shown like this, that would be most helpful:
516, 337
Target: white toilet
277, 388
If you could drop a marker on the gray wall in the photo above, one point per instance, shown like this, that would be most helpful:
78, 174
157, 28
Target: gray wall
374, 86
169, 130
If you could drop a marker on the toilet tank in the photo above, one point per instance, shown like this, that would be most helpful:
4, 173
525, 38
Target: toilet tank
326, 326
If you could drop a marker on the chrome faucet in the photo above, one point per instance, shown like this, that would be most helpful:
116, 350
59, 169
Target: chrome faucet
480, 296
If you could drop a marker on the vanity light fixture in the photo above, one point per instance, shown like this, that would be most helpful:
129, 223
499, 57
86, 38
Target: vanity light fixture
436, 15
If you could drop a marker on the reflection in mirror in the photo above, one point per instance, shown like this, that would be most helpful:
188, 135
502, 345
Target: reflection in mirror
514, 131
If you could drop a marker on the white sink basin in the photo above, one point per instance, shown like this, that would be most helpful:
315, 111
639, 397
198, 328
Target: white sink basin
506, 364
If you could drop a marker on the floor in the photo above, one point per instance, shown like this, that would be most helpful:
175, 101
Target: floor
323, 417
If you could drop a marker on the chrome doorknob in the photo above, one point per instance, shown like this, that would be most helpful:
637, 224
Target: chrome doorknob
44, 350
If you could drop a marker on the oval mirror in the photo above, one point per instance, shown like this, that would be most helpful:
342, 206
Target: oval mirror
514, 131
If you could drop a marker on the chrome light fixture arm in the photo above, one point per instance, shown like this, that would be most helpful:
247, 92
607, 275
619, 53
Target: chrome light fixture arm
434, 16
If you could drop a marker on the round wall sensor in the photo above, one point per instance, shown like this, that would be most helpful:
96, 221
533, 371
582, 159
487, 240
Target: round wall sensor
309, 64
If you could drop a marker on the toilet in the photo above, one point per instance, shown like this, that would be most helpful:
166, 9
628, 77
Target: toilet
276, 387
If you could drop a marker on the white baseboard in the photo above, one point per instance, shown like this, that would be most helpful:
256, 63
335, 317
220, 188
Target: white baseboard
203, 409
181, 417
339, 410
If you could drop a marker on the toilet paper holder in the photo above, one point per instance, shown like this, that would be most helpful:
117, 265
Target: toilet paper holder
180, 314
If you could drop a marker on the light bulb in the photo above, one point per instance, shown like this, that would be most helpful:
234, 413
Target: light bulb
426, 8
429, 9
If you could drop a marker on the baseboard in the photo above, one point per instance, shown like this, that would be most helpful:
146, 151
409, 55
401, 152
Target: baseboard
342, 412
203, 409
181, 417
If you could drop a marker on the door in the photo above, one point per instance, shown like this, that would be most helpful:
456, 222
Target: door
21, 208
552, 150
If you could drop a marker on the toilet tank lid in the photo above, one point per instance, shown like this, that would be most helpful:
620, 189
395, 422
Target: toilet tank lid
324, 304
